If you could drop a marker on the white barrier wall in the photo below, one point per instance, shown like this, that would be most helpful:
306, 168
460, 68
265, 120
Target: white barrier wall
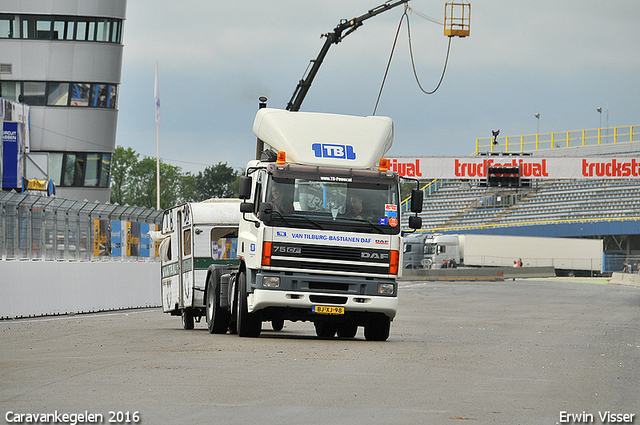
40, 288
625, 279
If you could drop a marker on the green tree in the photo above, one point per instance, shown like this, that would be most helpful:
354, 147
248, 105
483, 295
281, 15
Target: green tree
188, 188
133, 181
216, 181
143, 184
123, 162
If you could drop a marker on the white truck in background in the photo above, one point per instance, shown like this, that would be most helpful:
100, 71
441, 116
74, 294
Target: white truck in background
569, 256
318, 234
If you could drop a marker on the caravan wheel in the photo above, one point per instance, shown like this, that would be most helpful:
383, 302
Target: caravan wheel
187, 319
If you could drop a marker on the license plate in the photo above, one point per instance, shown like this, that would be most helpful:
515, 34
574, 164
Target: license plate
326, 309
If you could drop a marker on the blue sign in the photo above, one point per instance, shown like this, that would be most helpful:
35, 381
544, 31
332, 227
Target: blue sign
11, 157
145, 240
327, 150
116, 238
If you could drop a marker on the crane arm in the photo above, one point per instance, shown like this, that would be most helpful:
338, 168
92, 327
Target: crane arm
335, 37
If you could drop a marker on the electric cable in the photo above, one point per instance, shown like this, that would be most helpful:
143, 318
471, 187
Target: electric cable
413, 64
384, 79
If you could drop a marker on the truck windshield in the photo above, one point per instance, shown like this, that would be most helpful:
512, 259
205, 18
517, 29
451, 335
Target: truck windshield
364, 205
430, 249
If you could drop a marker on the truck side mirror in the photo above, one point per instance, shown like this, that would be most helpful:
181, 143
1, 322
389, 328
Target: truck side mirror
265, 211
417, 196
244, 187
415, 222
246, 207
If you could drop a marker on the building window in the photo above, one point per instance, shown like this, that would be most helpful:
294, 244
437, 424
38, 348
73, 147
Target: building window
80, 169
9, 27
34, 93
62, 28
59, 28
80, 94
92, 169
81, 34
58, 94
10, 90
37, 93
105, 170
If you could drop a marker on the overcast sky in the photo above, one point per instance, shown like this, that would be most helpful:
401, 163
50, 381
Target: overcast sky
561, 59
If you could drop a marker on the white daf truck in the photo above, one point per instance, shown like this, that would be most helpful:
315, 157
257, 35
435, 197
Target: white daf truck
319, 235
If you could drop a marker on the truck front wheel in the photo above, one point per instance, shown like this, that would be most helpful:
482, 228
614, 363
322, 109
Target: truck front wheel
325, 329
217, 317
347, 330
377, 327
249, 324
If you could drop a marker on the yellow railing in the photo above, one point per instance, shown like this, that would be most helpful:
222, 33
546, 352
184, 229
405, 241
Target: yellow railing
561, 139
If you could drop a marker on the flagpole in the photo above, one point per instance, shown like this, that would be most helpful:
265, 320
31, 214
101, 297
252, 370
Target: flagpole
158, 165
157, 99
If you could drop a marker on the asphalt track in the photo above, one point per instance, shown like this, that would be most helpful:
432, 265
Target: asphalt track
512, 352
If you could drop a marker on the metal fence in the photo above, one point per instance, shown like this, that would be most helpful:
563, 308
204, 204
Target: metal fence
35, 227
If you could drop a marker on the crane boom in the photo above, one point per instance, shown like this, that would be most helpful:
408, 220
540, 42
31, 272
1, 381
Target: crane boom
335, 37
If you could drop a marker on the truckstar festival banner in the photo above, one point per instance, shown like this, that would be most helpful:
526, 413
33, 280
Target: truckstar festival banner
530, 167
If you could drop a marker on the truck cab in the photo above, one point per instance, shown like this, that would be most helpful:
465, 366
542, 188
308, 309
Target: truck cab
320, 236
431, 251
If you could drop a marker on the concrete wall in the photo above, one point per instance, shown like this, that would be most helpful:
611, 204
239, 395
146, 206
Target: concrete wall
41, 288
484, 273
625, 279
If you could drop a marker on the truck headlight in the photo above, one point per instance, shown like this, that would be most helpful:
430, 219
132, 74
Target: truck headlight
386, 288
270, 281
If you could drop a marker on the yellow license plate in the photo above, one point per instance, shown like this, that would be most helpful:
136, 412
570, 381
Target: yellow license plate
326, 309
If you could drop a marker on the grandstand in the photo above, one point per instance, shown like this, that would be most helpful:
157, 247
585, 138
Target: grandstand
608, 209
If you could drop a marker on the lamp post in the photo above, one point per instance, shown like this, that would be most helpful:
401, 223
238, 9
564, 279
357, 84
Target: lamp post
599, 110
538, 118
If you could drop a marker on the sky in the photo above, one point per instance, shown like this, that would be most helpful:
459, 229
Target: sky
560, 59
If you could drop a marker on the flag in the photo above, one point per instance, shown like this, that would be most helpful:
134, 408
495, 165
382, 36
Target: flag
157, 96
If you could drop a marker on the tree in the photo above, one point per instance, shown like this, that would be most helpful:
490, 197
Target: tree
124, 161
133, 181
217, 181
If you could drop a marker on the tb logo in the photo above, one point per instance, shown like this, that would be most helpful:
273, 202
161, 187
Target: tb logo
326, 150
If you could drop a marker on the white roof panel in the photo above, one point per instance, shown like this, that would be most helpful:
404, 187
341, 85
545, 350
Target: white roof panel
314, 138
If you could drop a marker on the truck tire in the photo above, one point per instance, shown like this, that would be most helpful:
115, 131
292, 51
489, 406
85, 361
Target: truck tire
187, 319
277, 324
325, 329
217, 317
249, 324
347, 330
377, 327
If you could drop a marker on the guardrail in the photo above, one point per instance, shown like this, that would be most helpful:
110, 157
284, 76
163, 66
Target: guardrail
560, 139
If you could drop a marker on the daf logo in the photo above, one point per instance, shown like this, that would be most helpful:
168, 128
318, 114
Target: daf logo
374, 255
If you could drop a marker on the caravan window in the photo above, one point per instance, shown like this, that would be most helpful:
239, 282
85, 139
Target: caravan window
187, 242
224, 243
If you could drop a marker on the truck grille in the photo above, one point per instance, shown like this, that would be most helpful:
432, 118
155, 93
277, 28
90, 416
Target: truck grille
327, 258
